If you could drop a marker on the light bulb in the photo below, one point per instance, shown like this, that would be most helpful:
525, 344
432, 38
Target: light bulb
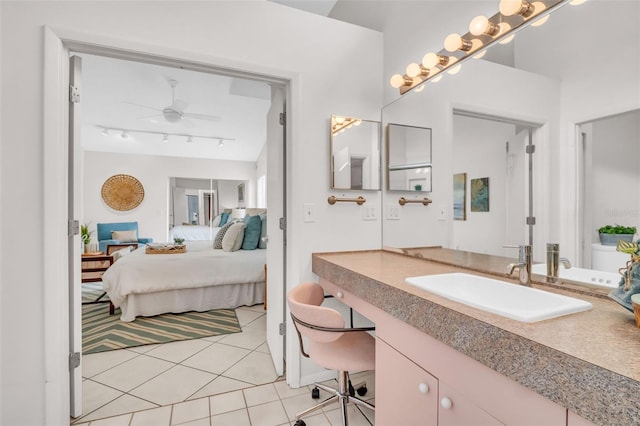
455, 70
540, 21
516, 7
481, 25
124, 134
430, 60
413, 70
576, 2
398, 80
220, 142
507, 39
339, 119
437, 79
480, 54
455, 42
420, 88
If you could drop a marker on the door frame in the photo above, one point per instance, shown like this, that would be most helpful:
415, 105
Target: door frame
57, 45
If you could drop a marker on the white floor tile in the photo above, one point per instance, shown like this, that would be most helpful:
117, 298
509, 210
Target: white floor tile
95, 395
233, 418
178, 351
356, 418
144, 348
317, 420
191, 410
225, 402
298, 404
250, 338
160, 416
174, 385
257, 395
199, 422
220, 385
246, 316
256, 368
93, 364
133, 373
216, 358
264, 348
121, 405
269, 414
285, 391
113, 421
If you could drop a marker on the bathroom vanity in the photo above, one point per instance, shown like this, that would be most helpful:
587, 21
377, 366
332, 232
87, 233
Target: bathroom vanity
442, 362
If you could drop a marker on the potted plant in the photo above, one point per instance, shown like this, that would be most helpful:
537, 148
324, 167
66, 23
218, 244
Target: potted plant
85, 236
611, 234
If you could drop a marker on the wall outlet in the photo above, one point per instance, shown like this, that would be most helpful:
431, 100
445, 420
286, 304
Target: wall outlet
392, 212
309, 212
369, 213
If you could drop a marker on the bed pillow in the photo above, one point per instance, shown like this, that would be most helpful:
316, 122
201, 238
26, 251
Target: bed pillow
217, 242
125, 236
263, 233
216, 221
232, 240
224, 217
253, 227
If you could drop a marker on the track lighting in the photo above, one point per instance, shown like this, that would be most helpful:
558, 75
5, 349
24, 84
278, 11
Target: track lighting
220, 142
124, 134
483, 32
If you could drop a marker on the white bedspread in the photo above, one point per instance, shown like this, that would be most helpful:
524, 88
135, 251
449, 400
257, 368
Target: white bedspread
193, 232
200, 266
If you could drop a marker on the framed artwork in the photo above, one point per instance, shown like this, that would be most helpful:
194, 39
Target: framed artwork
460, 196
480, 195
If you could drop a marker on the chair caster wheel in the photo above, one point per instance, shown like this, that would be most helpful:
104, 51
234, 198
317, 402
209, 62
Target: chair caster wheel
362, 391
315, 394
299, 423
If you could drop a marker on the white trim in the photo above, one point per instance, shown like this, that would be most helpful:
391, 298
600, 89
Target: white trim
56, 306
55, 109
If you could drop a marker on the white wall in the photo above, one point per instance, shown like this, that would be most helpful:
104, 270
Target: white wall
254, 36
153, 172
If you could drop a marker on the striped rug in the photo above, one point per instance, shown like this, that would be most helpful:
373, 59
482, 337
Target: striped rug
103, 332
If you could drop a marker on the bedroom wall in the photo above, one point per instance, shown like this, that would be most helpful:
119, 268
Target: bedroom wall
255, 36
154, 172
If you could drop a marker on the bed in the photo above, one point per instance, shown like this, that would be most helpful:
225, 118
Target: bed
201, 279
193, 232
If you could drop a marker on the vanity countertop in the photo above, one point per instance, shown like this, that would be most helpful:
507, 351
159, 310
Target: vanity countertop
587, 362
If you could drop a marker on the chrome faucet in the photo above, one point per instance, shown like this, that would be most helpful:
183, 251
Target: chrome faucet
523, 265
553, 260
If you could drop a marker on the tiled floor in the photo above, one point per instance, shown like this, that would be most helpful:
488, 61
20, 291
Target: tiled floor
224, 380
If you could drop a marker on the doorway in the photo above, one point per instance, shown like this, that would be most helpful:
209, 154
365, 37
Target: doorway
277, 165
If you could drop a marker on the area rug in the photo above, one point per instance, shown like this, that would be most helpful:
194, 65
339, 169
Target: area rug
103, 332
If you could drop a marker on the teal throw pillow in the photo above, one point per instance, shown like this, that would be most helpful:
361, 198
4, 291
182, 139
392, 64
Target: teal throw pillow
253, 227
224, 217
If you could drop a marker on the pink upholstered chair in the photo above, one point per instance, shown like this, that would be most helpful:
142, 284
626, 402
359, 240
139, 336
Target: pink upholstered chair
331, 346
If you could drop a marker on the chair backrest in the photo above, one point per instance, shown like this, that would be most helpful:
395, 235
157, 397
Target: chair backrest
104, 229
304, 302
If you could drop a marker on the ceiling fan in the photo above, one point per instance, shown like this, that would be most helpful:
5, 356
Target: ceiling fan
174, 113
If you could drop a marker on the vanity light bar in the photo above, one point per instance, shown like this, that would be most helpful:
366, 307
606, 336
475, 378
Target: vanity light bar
483, 33
339, 123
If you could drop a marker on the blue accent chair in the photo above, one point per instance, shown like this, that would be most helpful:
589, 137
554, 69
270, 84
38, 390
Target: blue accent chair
104, 234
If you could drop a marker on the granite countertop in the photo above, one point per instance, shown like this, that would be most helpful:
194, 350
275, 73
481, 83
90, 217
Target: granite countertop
584, 361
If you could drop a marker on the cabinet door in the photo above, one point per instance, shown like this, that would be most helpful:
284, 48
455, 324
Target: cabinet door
456, 410
405, 393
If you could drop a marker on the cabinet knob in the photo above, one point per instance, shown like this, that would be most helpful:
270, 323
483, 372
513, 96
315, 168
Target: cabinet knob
339, 295
446, 403
423, 388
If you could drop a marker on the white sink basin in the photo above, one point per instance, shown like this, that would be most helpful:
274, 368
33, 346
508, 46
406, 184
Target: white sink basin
586, 276
510, 300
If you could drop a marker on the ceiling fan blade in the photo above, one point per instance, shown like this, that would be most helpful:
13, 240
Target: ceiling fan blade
202, 116
143, 106
150, 116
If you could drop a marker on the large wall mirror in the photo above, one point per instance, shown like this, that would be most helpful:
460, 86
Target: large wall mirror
552, 138
355, 153
194, 204
408, 158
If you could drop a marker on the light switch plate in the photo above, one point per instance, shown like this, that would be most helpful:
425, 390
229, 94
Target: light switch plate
369, 213
309, 212
392, 212
442, 212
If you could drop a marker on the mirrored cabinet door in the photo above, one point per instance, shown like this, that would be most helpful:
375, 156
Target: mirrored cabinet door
408, 158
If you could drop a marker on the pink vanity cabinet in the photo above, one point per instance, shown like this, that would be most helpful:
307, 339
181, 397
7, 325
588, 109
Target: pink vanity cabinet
421, 381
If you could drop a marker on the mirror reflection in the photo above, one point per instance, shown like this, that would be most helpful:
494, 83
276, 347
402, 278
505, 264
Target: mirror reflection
408, 158
543, 88
355, 153
196, 206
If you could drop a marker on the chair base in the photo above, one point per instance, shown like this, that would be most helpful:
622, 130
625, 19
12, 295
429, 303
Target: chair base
343, 396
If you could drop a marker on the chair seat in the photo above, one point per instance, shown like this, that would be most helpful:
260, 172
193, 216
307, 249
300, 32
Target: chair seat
354, 351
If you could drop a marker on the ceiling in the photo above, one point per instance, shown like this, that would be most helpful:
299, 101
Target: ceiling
120, 94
